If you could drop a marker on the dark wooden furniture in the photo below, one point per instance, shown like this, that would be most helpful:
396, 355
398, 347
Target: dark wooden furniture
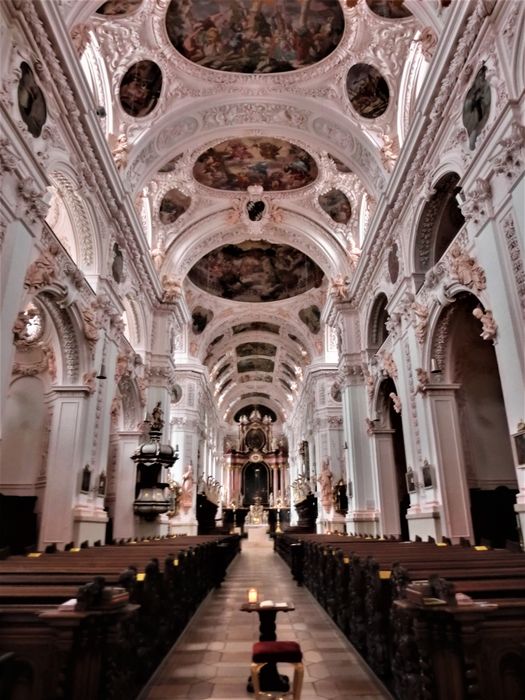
270, 679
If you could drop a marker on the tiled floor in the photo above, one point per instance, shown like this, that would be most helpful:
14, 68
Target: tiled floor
212, 657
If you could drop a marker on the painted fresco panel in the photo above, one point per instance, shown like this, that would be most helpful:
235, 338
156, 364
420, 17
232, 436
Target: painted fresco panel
140, 88
367, 90
256, 271
255, 326
255, 364
390, 9
256, 348
243, 36
335, 203
173, 204
118, 8
311, 317
273, 164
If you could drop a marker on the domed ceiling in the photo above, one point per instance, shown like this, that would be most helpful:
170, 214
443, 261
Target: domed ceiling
265, 162
256, 271
244, 36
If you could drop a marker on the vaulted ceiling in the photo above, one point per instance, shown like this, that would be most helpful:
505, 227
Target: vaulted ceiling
256, 138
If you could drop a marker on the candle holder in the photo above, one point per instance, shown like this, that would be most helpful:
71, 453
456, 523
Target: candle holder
253, 596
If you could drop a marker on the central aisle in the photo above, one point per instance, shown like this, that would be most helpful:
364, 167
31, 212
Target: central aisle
212, 657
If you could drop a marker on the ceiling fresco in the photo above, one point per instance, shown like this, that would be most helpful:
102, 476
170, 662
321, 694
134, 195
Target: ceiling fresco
173, 204
390, 9
256, 271
273, 164
335, 203
367, 90
200, 318
311, 317
255, 364
256, 348
118, 8
243, 36
140, 88
255, 326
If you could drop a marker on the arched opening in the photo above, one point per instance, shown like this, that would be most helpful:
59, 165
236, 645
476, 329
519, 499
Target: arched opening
377, 330
392, 466
439, 224
485, 440
256, 483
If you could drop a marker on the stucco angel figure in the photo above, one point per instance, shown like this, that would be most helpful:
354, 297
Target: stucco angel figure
119, 150
339, 289
172, 289
465, 270
489, 326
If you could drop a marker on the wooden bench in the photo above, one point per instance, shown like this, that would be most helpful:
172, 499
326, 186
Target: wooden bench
104, 652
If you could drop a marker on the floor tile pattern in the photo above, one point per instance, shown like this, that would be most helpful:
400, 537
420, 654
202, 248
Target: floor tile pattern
211, 659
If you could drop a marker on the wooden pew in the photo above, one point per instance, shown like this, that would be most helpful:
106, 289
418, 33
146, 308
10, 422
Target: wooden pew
357, 580
97, 653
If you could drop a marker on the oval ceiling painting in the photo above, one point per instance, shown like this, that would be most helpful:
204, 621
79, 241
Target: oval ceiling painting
140, 88
118, 8
255, 271
243, 36
335, 203
367, 90
173, 204
270, 163
391, 9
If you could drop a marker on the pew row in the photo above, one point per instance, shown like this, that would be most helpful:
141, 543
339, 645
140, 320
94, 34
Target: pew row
360, 580
133, 601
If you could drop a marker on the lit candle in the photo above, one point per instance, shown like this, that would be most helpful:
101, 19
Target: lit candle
252, 595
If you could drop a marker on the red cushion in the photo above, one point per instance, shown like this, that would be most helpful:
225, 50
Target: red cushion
285, 652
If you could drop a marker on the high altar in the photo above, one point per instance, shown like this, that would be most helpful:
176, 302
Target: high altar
257, 468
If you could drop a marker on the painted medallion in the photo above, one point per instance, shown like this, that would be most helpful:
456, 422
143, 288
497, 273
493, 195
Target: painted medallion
31, 102
311, 317
256, 271
173, 204
335, 203
390, 9
140, 88
118, 8
270, 163
367, 90
255, 36
200, 318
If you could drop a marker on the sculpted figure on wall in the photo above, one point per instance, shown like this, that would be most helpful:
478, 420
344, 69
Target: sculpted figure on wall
325, 482
396, 401
465, 270
489, 326
42, 271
